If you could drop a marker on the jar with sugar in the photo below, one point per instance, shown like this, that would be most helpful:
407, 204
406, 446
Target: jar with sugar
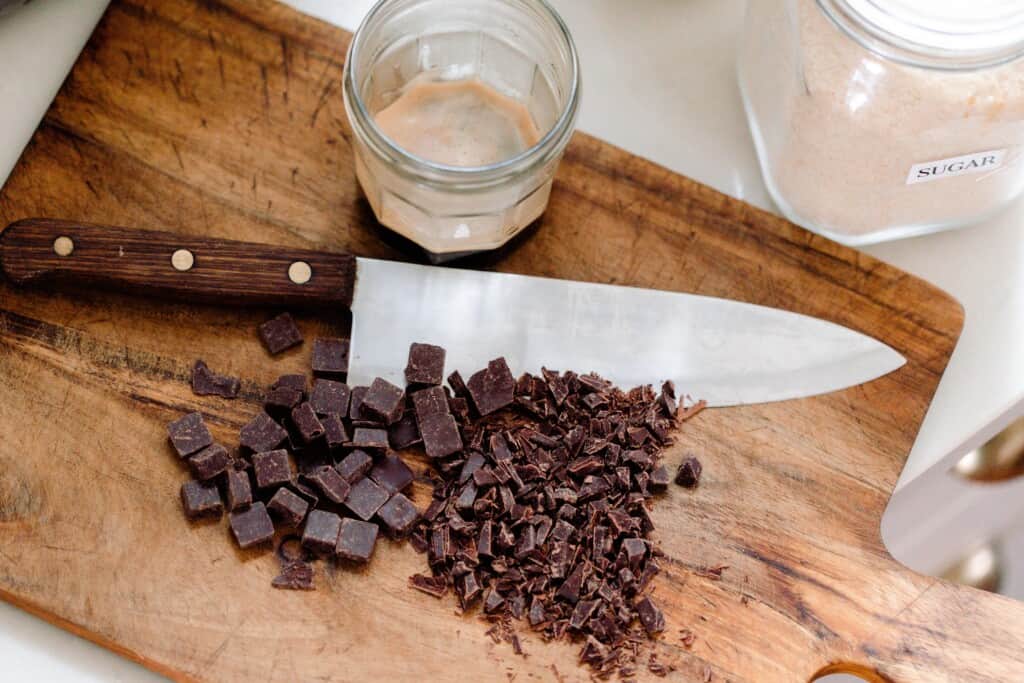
880, 119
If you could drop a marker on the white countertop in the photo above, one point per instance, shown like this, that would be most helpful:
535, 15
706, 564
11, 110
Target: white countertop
658, 81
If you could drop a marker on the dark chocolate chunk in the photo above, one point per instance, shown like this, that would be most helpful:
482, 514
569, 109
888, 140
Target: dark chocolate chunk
288, 507
237, 489
473, 463
306, 492
688, 474
527, 543
262, 434
459, 408
209, 462
330, 483
296, 575
365, 498
356, 540
493, 601
280, 401
441, 436
384, 402
398, 514
294, 382
330, 397
634, 550
650, 616
492, 389
580, 615
335, 434
467, 497
355, 465
426, 364
537, 615
201, 499
321, 532
272, 468
206, 382
280, 333
355, 408
330, 358
429, 401
251, 526
484, 546
469, 589
307, 423
570, 588
391, 473
189, 434
457, 384
370, 439
435, 586
404, 433
659, 478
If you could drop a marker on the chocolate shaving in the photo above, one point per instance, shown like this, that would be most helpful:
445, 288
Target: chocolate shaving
206, 382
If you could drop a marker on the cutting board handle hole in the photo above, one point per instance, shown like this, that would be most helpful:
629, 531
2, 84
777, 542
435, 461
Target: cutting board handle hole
847, 673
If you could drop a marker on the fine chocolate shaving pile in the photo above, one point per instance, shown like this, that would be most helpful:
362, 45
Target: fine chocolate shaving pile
542, 515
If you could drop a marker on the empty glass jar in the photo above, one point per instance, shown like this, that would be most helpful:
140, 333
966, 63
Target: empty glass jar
878, 119
521, 49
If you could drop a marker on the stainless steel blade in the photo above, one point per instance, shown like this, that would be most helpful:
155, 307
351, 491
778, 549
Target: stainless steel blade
722, 351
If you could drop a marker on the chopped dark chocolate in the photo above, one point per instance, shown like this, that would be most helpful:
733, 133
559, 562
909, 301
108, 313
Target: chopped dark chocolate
426, 364
440, 435
330, 483
391, 473
356, 540
398, 515
430, 585
189, 434
404, 433
330, 398
321, 532
205, 382
307, 424
296, 575
288, 507
201, 499
365, 498
355, 465
335, 434
330, 358
272, 468
280, 401
429, 401
492, 389
370, 439
355, 408
237, 489
457, 384
660, 478
209, 462
262, 434
384, 401
294, 382
688, 474
251, 526
280, 334
650, 616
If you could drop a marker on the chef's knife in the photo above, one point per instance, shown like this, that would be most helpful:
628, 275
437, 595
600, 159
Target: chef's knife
725, 352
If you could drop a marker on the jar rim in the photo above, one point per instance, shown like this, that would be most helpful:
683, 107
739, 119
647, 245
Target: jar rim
933, 34
549, 145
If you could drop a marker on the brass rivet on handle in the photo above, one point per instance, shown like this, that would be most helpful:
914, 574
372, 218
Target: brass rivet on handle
183, 260
299, 272
63, 246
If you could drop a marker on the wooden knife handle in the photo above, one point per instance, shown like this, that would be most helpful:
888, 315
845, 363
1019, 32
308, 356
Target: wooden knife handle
176, 266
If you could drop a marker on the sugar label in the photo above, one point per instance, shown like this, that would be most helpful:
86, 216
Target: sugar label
979, 162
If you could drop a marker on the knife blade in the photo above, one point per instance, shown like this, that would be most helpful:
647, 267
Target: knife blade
722, 351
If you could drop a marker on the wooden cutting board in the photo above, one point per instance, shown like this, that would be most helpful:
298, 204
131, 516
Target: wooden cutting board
226, 119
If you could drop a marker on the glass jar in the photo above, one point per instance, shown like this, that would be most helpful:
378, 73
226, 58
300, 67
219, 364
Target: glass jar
522, 49
880, 119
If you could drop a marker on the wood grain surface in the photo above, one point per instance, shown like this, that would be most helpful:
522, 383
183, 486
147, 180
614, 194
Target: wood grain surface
225, 120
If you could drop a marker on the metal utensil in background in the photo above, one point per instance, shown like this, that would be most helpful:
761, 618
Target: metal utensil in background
725, 352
